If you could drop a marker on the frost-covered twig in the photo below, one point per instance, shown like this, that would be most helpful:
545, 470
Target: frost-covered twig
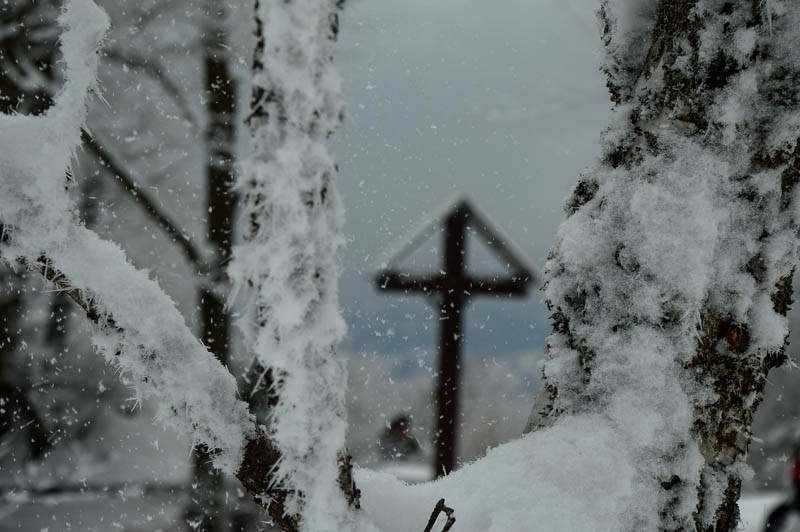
30, 79
438, 510
148, 204
260, 456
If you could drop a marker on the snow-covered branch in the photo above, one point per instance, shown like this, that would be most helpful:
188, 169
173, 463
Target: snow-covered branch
138, 327
29, 78
154, 69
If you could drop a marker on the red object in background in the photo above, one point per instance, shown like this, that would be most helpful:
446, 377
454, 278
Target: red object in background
796, 472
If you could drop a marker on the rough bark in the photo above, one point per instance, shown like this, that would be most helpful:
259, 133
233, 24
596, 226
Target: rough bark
705, 91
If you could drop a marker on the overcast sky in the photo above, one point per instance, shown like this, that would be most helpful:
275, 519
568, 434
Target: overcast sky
501, 101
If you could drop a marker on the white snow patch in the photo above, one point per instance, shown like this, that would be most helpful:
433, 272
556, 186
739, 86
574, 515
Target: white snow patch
578, 475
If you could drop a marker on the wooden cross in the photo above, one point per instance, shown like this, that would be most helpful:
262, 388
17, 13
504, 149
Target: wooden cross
450, 289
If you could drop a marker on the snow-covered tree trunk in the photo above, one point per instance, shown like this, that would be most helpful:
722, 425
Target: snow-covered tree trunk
672, 276
287, 263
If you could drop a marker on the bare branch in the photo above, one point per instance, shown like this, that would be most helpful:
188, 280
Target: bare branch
27, 76
438, 509
153, 68
144, 200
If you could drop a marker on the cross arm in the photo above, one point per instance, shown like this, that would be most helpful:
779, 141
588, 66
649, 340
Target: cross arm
396, 281
510, 286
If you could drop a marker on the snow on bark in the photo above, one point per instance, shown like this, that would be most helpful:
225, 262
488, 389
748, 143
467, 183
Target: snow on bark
287, 264
625, 27
138, 327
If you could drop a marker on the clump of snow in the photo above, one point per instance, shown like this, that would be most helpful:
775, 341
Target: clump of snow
744, 44
735, 107
139, 329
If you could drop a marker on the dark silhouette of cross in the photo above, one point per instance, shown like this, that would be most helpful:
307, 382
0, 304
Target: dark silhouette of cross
450, 289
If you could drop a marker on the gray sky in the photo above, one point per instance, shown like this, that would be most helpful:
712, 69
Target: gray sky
501, 101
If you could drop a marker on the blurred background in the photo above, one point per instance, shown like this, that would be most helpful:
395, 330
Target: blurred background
501, 102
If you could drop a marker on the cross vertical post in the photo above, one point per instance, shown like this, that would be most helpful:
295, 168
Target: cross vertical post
453, 301
450, 289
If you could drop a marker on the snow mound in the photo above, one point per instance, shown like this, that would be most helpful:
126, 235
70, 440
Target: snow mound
578, 475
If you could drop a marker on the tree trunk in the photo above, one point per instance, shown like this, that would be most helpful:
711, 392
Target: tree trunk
671, 281
287, 264
207, 504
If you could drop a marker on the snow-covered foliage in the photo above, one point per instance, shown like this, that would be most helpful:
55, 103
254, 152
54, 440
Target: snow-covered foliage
287, 264
138, 327
669, 286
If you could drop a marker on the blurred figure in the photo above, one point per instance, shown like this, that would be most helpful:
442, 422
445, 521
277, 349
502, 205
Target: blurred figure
778, 517
397, 442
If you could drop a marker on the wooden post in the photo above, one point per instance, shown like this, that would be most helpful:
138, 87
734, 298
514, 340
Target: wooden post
453, 301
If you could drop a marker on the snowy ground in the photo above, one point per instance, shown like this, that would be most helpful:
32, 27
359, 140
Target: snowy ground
755, 507
152, 513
